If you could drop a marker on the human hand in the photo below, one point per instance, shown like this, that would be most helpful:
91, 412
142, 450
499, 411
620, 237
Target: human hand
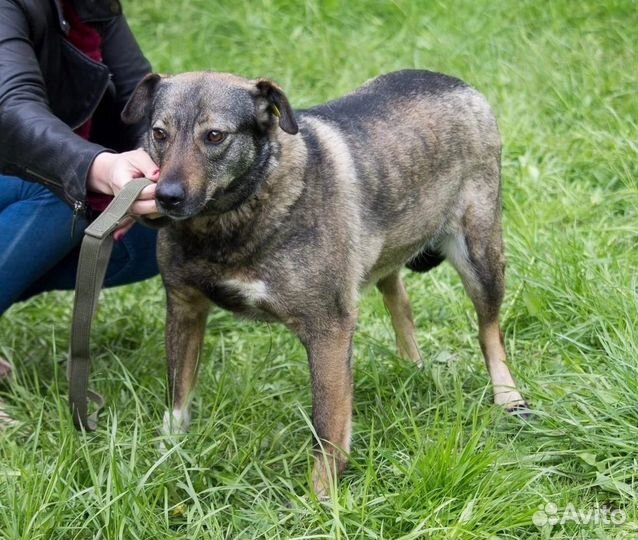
109, 173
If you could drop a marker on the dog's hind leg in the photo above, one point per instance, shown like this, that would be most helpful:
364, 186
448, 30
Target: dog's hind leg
397, 303
329, 347
476, 252
186, 313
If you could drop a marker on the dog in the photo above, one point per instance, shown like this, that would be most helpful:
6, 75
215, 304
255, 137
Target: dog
287, 216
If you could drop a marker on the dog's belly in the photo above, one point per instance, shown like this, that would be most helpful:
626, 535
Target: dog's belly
389, 259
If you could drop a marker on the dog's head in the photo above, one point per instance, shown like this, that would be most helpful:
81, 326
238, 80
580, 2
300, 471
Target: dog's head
208, 133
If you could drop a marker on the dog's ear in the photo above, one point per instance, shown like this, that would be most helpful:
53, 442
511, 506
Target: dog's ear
275, 103
139, 104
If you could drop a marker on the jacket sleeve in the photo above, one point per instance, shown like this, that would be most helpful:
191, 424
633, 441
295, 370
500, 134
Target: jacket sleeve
34, 143
127, 64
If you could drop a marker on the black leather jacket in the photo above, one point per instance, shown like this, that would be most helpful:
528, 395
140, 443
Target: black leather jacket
48, 88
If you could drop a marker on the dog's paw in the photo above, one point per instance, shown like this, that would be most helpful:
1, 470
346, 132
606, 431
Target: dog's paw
410, 353
176, 422
520, 409
511, 400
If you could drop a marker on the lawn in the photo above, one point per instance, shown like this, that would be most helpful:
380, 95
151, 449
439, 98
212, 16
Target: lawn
431, 456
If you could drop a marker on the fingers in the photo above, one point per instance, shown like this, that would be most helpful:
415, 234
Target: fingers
111, 172
142, 208
124, 227
147, 193
134, 164
145, 166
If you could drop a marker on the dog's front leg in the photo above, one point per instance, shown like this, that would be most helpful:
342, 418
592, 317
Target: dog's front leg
186, 315
329, 356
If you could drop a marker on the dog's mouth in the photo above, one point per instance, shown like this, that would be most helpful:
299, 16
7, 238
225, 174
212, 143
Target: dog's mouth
178, 214
176, 217
183, 210
213, 206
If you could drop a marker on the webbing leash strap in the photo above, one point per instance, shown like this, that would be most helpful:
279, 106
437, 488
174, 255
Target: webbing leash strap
95, 251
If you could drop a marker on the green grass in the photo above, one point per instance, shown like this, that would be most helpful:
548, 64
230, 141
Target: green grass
432, 458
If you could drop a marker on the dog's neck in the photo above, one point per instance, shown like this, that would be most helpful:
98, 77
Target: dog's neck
259, 200
242, 190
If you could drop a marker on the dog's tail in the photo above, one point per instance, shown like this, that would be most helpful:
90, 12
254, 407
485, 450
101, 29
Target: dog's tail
425, 260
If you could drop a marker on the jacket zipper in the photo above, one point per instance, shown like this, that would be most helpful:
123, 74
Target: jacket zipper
79, 208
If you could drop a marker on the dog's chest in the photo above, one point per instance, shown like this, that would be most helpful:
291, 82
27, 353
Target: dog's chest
248, 297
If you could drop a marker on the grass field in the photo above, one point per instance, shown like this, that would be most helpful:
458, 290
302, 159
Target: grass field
432, 458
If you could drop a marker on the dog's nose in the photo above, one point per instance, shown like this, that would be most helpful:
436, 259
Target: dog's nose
170, 195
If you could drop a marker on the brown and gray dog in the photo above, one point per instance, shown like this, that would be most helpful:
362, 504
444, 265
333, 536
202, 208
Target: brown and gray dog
286, 216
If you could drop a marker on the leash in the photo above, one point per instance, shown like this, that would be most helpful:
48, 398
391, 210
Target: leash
95, 252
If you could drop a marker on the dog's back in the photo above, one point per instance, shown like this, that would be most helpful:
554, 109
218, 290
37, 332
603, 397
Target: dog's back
414, 146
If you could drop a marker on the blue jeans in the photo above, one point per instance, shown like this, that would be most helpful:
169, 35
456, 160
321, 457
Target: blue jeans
38, 253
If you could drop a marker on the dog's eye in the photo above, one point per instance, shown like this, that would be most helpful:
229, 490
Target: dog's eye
215, 137
159, 134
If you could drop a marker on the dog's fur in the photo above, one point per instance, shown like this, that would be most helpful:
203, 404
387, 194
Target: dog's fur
292, 214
